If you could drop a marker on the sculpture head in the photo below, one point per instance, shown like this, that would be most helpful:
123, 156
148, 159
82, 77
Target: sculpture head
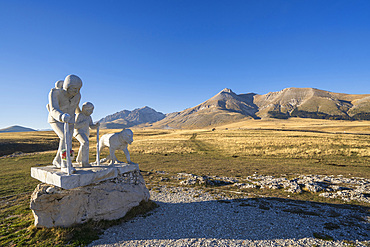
72, 84
87, 108
127, 135
59, 84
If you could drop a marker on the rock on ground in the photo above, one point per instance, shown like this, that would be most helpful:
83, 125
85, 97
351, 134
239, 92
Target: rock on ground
108, 200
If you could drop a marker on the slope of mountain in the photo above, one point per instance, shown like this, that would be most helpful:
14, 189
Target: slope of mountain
224, 107
118, 115
227, 107
125, 118
312, 103
16, 128
360, 109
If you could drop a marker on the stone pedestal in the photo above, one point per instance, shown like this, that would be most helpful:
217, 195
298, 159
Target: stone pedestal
97, 193
82, 176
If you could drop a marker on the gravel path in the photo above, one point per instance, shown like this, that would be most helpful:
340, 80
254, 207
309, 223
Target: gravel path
190, 217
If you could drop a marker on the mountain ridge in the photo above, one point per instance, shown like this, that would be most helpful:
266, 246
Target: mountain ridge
312, 103
227, 106
126, 118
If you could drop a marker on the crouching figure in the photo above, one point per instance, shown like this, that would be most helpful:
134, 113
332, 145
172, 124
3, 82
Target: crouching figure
115, 142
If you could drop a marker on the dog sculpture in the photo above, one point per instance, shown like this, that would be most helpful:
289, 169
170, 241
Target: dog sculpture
114, 142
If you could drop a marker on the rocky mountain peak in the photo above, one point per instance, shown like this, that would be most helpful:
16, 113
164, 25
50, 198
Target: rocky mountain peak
227, 90
145, 109
127, 118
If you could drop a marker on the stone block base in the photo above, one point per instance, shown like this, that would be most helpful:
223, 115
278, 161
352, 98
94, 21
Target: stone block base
82, 176
108, 200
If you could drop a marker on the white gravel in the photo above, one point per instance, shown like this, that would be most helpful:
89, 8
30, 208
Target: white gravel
190, 217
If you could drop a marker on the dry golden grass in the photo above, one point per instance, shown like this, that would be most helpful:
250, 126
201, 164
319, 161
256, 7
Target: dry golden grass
305, 124
306, 138
292, 144
271, 147
27, 137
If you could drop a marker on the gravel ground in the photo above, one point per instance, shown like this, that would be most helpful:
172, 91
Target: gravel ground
190, 217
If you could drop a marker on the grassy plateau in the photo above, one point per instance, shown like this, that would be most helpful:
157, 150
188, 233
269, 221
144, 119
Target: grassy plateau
266, 147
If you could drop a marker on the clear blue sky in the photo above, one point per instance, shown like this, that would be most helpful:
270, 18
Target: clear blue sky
171, 55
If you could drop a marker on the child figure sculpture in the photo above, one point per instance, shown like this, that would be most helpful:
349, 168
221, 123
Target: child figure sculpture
82, 126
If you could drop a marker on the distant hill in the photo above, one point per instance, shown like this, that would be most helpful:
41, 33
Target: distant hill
16, 128
228, 107
126, 119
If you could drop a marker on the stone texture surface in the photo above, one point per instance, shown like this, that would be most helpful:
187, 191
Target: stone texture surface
108, 200
195, 217
82, 176
339, 187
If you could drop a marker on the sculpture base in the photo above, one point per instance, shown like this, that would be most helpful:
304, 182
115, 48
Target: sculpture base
108, 200
83, 176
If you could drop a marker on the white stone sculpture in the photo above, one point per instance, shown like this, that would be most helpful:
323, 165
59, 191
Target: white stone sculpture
59, 84
83, 123
114, 142
63, 103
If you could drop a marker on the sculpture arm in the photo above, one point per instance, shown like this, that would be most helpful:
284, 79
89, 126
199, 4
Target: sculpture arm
92, 125
80, 122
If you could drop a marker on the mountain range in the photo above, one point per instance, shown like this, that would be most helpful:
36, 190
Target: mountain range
227, 106
126, 119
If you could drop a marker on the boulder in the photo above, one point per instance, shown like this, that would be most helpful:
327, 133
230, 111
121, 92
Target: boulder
111, 199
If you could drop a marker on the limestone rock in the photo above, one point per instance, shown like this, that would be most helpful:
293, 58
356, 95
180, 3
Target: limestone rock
192, 179
108, 200
346, 189
82, 176
245, 186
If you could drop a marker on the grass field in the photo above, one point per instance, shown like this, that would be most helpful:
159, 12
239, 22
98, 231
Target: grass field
271, 147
